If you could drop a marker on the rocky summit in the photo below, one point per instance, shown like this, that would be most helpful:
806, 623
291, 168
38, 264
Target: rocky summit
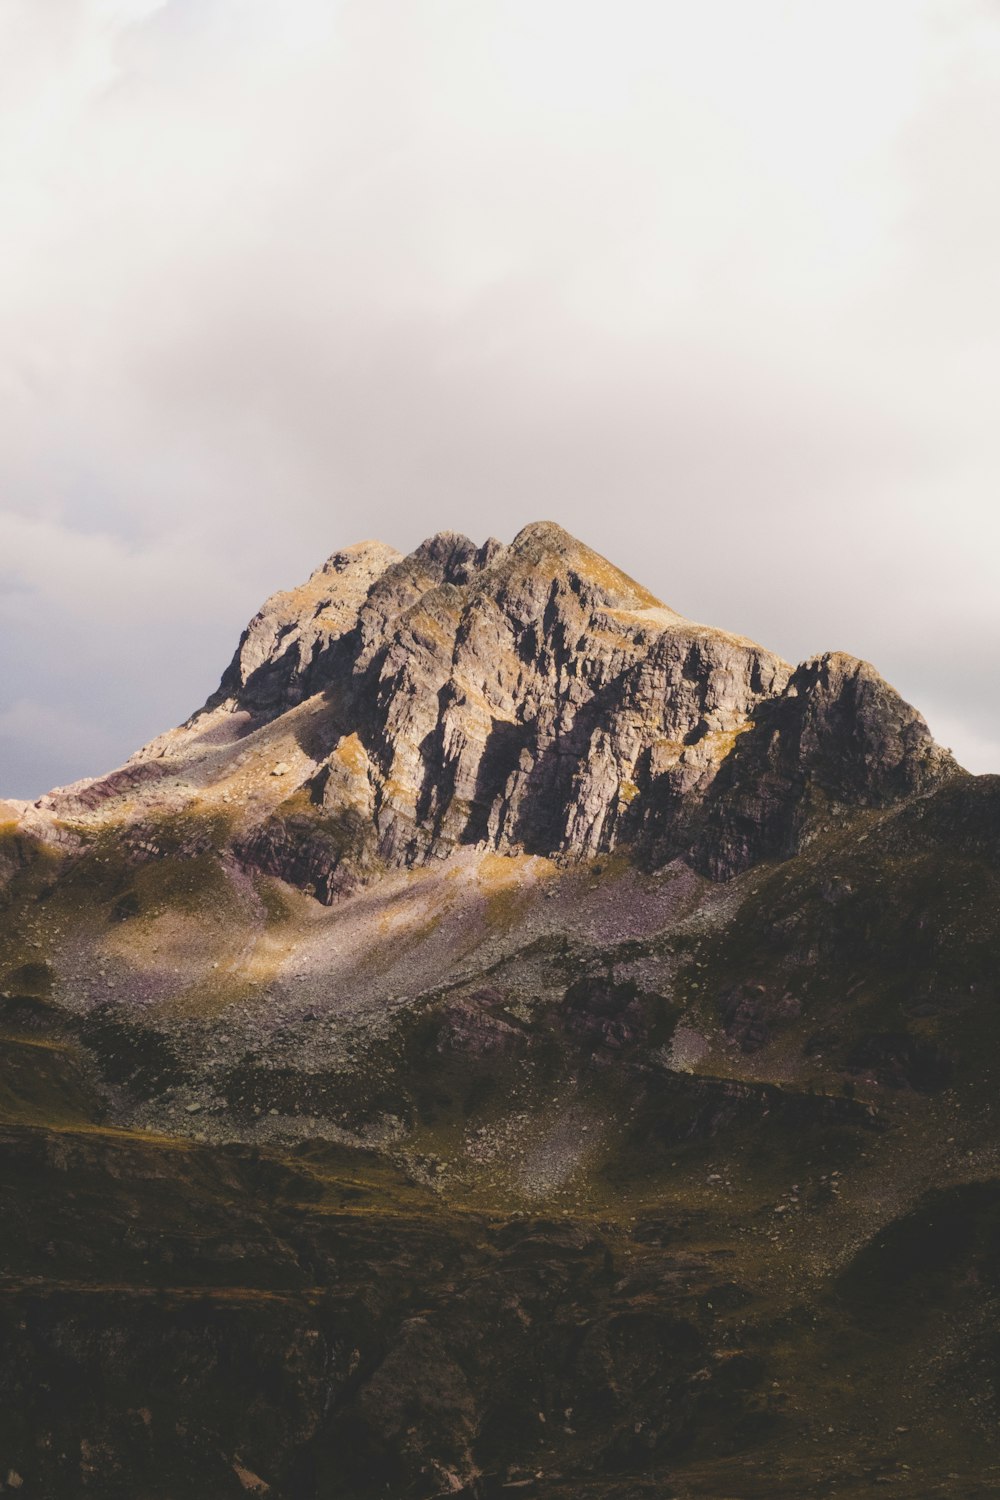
526, 699
511, 1039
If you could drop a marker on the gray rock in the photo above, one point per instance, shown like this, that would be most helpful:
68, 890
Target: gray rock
522, 698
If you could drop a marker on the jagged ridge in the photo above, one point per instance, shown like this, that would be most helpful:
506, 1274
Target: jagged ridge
529, 698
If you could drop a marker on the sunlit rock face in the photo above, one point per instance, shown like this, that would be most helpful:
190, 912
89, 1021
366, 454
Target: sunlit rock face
528, 698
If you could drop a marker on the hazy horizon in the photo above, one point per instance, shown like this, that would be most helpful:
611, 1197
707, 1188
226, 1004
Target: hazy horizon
713, 288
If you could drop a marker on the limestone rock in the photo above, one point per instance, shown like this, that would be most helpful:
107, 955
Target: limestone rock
528, 698
838, 739
279, 646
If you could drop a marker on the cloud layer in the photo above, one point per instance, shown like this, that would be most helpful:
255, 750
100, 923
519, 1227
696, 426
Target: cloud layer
714, 286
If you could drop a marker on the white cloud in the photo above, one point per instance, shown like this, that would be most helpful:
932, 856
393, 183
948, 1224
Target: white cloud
713, 285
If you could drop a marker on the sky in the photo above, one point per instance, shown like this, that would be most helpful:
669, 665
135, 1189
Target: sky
715, 286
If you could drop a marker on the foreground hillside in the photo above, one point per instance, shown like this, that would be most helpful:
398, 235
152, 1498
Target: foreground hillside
511, 1040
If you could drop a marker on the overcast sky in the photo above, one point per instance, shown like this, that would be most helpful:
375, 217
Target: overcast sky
715, 285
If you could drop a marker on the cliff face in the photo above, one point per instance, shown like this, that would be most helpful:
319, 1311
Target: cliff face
527, 698
533, 698
837, 739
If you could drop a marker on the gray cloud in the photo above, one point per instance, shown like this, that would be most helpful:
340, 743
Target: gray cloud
714, 286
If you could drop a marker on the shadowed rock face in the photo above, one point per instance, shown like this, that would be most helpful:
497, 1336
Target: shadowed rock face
838, 738
530, 698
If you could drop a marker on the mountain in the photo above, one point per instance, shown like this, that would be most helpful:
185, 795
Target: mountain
523, 699
511, 1038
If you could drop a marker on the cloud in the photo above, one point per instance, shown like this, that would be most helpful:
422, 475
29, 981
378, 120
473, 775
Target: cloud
711, 285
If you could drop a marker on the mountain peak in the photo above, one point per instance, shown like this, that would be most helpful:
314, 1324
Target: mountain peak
546, 534
457, 555
529, 698
547, 545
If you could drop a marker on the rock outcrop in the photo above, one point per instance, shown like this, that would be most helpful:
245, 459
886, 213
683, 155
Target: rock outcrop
527, 698
837, 740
